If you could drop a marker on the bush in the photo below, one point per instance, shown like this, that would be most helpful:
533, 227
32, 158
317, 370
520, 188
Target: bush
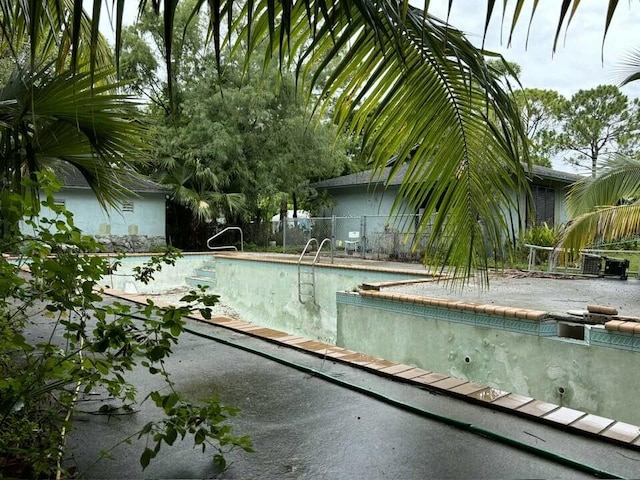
541, 235
91, 344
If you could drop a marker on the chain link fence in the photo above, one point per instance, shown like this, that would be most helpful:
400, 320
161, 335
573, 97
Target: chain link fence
371, 236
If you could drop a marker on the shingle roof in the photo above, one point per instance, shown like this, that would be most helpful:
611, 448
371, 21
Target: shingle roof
364, 178
369, 177
551, 174
72, 179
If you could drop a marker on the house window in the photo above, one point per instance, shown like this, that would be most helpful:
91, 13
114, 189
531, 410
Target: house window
127, 206
543, 206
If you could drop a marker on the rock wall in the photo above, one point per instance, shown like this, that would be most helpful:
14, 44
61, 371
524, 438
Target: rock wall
130, 243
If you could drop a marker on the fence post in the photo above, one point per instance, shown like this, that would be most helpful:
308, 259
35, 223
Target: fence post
363, 235
333, 230
284, 236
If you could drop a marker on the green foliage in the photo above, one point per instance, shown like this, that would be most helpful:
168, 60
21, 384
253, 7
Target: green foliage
238, 143
393, 75
540, 112
541, 235
605, 209
61, 119
591, 127
90, 344
597, 124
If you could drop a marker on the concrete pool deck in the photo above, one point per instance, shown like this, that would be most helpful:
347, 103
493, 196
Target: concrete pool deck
337, 420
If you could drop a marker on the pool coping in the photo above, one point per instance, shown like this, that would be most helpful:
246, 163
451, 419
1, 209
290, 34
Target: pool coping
247, 257
569, 419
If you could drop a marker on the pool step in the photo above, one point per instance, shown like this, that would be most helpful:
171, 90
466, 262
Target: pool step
205, 275
194, 281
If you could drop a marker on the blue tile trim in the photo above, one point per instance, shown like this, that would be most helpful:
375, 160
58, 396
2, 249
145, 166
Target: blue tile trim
622, 340
490, 321
526, 327
522, 326
600, 337
549, 329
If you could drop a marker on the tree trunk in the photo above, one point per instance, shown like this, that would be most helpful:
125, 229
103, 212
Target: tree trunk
283, 213
295, 208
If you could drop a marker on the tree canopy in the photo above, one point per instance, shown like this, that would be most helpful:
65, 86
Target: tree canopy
597, 123
237, 143
540, 113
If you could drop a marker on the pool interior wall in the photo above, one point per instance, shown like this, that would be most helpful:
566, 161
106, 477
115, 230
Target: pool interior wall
169, 278
505, 352
265, 291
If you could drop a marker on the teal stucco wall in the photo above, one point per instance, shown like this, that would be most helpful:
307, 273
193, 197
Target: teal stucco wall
266, 293
138, 227
148, 215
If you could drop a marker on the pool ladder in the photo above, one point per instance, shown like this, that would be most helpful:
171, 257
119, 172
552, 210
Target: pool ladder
307, 272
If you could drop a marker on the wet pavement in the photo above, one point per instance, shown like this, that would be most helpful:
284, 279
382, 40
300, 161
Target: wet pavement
346, 425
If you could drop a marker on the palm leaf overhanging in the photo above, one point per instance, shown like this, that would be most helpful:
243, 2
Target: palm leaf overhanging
405, 80
416, 88
73, 118
57, 31
605, 209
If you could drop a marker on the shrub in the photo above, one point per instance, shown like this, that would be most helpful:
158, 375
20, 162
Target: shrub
541, 235
91, 344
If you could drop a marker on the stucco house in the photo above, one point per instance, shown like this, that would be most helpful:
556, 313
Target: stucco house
137, 225
372, 194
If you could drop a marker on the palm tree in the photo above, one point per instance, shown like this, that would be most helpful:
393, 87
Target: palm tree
410, 84
605, 209
59, 101
74, 118
196, 198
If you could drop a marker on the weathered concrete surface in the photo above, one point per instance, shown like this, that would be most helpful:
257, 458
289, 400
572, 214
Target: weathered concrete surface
305, 427
552, 294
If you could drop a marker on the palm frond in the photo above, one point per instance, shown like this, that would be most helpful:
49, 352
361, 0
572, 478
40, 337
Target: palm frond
605, 208
53, 29
68, 117
618, 183
629, 69
604, 225
403, 84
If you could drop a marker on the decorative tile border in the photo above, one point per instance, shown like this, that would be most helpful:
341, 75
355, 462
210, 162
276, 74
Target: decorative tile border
457, 312
501, 318
614, 339
549, 329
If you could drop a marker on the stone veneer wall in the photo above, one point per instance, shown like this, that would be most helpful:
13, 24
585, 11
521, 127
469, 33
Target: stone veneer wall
130, 243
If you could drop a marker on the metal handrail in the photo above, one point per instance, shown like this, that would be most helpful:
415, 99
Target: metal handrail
313, 266
304, 250
315, 259
229, 246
